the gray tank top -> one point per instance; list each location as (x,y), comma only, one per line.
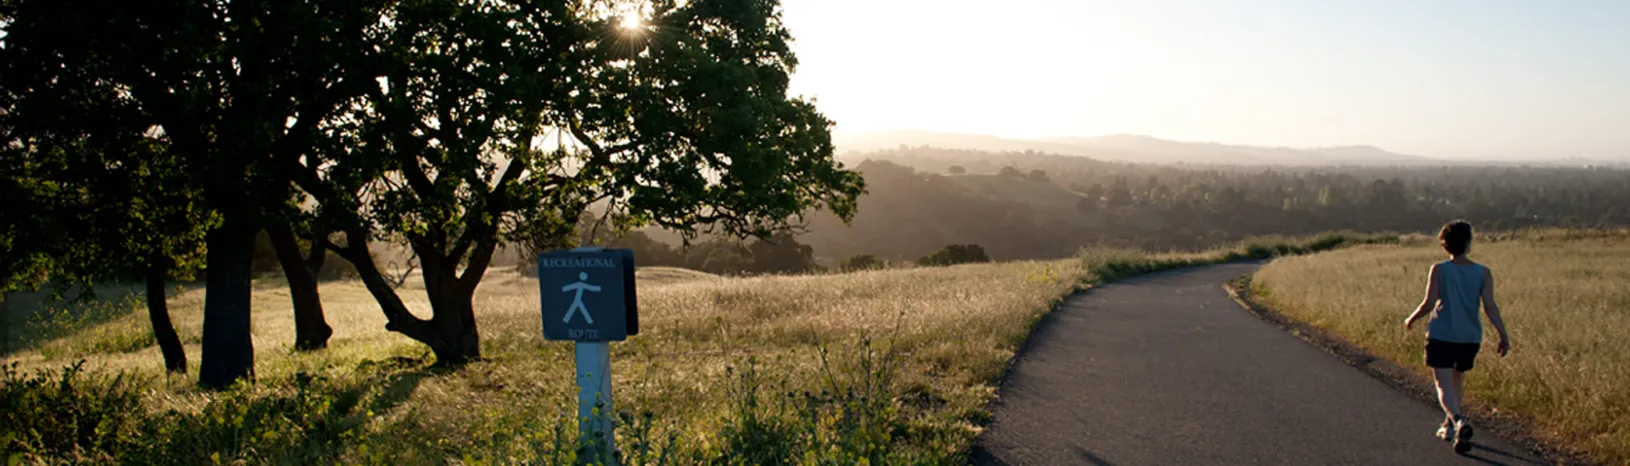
(1460,298)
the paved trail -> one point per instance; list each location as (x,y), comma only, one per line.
(1165,369)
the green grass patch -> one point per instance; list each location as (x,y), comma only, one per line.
(40,320)
(1105,264)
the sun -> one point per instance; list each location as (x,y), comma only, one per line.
(631,21)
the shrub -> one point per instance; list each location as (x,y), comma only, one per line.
(73,414)
(862,262)
(955,254)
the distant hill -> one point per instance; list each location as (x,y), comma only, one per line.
(1034,205)
(1138,148)
(1045,199)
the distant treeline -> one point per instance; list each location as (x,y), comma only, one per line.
(921,199)
(782,253)
(924,203)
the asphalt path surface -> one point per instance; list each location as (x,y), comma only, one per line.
(1166,369)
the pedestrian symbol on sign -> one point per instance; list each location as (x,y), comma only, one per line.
(599,283)
(577,301)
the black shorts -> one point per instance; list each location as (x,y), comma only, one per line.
(1450,355)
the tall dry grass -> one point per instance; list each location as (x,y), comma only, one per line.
(889,366)
(953,328)
(1565,298)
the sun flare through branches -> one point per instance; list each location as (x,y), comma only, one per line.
(631,22)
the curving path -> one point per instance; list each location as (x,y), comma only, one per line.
(1166,369)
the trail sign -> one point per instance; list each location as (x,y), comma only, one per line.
(588,297)
(588,294)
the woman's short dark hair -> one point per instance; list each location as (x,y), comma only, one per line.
(1456,237)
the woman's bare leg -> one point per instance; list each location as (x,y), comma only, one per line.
(1460,389)
(1448,381)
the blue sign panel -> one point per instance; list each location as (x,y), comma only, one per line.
(588,294)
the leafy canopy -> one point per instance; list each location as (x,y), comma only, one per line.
(497,117)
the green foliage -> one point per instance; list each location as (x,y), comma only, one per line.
(149,130)
(858,417)
(299,424)
(781,254)
(85,416)
(111,339)
(750,434)
(1106,264)
(96,197)
(684,125)
(955,254)
(718,256)
(645,110)
(71,415)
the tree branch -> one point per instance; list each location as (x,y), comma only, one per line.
(416,177)
(411,264)
(478,263)
(335,248)
(496,204)
(397,317)
(306,178)
(297,139)
(600,156)
(595,232)
(317,253)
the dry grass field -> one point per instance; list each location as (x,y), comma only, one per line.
(1565,297)
(952,328)
(893,366)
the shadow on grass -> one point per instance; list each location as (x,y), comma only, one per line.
(326,437)
(307,420)
(35,319)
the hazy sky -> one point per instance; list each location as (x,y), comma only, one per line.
(1447,78)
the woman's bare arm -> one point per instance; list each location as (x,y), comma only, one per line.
(1493,311)
(1429,301)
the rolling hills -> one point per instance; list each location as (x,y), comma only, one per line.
(1140,149)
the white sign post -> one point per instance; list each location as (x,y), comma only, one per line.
(588,297)
(595,413)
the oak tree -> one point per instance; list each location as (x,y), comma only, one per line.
(229,86)
(499,121)
(91,194)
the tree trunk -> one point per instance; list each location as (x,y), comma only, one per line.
(158,311)
(452,314)
(228,351)
(311,330)
(454,318)
(450,332)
